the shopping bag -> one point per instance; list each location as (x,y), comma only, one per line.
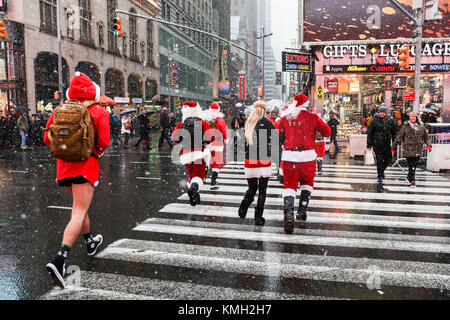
(369,158)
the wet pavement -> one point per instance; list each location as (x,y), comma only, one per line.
(361,241)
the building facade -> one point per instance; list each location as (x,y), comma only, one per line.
(124,68)
(186,57)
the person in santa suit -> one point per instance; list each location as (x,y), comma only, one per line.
(194,134)
(215,120)
(80,178)
(280,176)
(319,147)
(299,126)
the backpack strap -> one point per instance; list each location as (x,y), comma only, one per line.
(89,103)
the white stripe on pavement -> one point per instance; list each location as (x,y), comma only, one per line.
(334,204)
(59,208)
(278,185)
(418,190)
(317,217)
(344,194)
(265,263)
(296,238)
(147,178)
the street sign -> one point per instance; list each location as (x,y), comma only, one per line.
(296,62)
(409,95)
(278,77)
(401,82)
(319,93)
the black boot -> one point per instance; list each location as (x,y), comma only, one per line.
(319,166)
(303,205)
(289,214)
(259,220)
(214,178)
(194,195)
(245,204)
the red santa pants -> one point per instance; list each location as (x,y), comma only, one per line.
(320,149)
(196,173)
(298,172)
(216,160)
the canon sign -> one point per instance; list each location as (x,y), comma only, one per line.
(361,51)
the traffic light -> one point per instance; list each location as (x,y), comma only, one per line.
(117,27)
(403,58)
(3,34)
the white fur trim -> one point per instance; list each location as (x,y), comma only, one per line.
(197,180)
(280,171)
(216,148)
(97,92)
(299,156)
(293,111)
(263,172)
(189,112)
(308,188)
(226,141)
(212,114)
(191,157)
(289,193)
(215,170)
(67,94)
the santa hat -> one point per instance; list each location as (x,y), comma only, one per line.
(83,88)
(191,109)
(213,113)
(299,104)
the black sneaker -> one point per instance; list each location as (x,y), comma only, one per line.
(194,195)
(92,245)
(57,269)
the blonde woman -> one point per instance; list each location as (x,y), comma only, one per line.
(258,165)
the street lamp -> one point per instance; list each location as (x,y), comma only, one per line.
(171,52)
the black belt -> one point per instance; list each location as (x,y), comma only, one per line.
(93,155)
(298,149)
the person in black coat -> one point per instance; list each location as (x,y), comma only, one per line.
(333,123)
(144,130)
(164,123)
(380,135)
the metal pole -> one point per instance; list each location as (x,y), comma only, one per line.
(60,76)
(170,84)
(262,63)
(419,28)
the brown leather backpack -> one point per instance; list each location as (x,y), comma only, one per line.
(71,134)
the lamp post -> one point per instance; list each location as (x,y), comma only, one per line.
(171,52)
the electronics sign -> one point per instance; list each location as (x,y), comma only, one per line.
(296,62)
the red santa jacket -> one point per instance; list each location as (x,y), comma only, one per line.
(189,155)
(300,132)
(221,129)
(89,169)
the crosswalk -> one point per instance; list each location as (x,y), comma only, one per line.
(361,241)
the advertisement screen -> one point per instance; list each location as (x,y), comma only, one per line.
(339,20)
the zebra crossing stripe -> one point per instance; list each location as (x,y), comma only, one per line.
(270,264)
(418,190)
(318,217)
(334,204)
(278,185)
(345,194)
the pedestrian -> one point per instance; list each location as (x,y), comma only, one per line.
(299,156)
(114,129)
(22,124)
(258,164)
(333,123)
(126,130)
(3,132)
(80,178)
(173,123)
(398,126)
(164,123)
(11,131)
(144,131)
(319,147)
(412,137)
(215,120)
(194,134)
(380,135)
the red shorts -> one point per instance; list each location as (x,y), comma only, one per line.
(320,149)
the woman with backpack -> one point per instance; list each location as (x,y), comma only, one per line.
(258,164)
(79,177)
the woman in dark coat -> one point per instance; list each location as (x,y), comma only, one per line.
(412,136)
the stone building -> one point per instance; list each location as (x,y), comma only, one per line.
(124,67)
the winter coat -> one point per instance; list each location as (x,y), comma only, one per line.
(412,137)
(333,123)
(89,169)
(258,154)
(381,132)
(144,126)
(300,133)
(164,121)
(218,144)
(22,124)
(124,121)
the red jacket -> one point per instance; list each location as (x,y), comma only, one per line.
(89,169)
(300,133)
(275,123)
(218,145)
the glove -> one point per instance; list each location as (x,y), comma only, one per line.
(429,149)
(393,150)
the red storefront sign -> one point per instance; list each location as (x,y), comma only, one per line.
(409,95)
(242,93)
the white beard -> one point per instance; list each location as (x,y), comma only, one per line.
(293,111)
(211,115)
(189,112)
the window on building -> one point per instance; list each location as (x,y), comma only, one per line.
(150,42)
(135,86)
(112,39)
(133,36)
(163,9)
(48,15)
(85,20)
(101,36)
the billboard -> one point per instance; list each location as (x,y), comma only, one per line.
(296,62)
(343,20)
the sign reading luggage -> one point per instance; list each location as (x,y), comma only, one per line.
(296,62)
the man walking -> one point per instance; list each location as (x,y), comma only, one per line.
(164,123)
(380,135)
(333,123)
(23,126)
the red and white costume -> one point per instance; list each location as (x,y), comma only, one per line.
(220,133)
(194,159)
(320,142)
(299,126)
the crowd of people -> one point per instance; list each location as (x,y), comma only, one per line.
(21,130)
